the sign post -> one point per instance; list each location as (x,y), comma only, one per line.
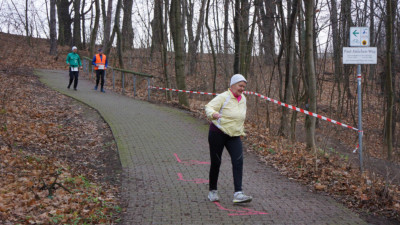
(360,130)
(359,53)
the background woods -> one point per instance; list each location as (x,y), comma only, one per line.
(289,50)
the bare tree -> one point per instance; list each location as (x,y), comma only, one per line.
(64,22)
(290,64)
(194,40)
(266,24)
(157,27)
(241,33)
(390,17)
(212,47)
(127,29)
(107,23)
(27,22)
(117,31)
(310,71)
(178,39)
(95,28)
(77,24)
(336,47)
(53,28)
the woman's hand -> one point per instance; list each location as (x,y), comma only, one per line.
(216,116)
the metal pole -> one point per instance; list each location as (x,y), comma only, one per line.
(134,85)
(105,77)
(148,89)
(113,78)
(360,131)
(123,83)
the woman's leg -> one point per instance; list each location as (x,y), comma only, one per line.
(235,149)
(216,141)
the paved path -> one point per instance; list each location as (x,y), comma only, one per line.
(164,154)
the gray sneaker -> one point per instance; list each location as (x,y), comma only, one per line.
(239,197)
(213,196)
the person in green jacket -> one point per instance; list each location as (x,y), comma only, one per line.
(74,63)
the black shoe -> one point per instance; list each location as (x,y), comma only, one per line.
(75,89)
(68,86)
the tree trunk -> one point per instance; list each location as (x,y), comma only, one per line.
(290,63)
(27,22)
(77,24)
(127,29)
(64,23)
(347,23)
(267,24)
(53,28)
(178,39)
(372,68)
(83,24)
(157,27)
(226,45)
(118,33)
(163,42)
(95,28)
(212,47)
(390,16)
(310,71)
(241,33)
(107,26)
(194,40)
(236,37)
(336,47)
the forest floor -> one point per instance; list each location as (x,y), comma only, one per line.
(331,169)
(58,159)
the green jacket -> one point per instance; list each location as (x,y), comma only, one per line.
(74,60)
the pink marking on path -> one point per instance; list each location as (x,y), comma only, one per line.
(177,158)
(191,162)
(239,212)
(197,181)
(222,208)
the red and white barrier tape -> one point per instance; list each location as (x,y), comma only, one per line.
(300,110)
(268,99)
(176,90)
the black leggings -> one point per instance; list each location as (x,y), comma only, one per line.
(100,76)
(217,141)
(73,76)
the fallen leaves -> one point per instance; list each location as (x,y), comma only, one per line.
(328,172)
(49,167)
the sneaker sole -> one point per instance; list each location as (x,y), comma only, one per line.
(244,201)
(217,200)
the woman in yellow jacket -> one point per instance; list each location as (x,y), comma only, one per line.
(227,112)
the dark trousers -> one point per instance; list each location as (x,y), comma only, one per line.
(73,76)
(100,76)
(217,141)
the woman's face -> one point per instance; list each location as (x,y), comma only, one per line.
(238,88)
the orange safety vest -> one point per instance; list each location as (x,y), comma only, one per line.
(101,61)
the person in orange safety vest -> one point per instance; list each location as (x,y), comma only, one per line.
(100,63)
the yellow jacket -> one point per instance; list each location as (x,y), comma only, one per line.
(233,113)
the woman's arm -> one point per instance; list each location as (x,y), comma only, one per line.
(213,107)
